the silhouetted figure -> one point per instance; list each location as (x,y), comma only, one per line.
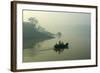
(60,47)
(66,45)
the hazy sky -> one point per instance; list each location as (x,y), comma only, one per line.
(60,21)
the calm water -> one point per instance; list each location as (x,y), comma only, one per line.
(79,48)
(74,28)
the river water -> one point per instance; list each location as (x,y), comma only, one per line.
(79,48)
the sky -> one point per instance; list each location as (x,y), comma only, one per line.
(60,21)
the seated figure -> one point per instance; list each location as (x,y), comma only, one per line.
(61,45)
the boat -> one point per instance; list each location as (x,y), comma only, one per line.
(61,45)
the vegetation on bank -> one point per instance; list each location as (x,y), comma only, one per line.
(34,33)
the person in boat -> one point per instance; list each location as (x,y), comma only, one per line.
(61,45)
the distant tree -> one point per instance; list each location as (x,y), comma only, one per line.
(59,34)
(33,30)
(33,20)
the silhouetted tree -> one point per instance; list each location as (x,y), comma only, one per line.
(33,20)
(59,34)
(32,30)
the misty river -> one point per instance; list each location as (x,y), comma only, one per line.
(44,51)
(39,28)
